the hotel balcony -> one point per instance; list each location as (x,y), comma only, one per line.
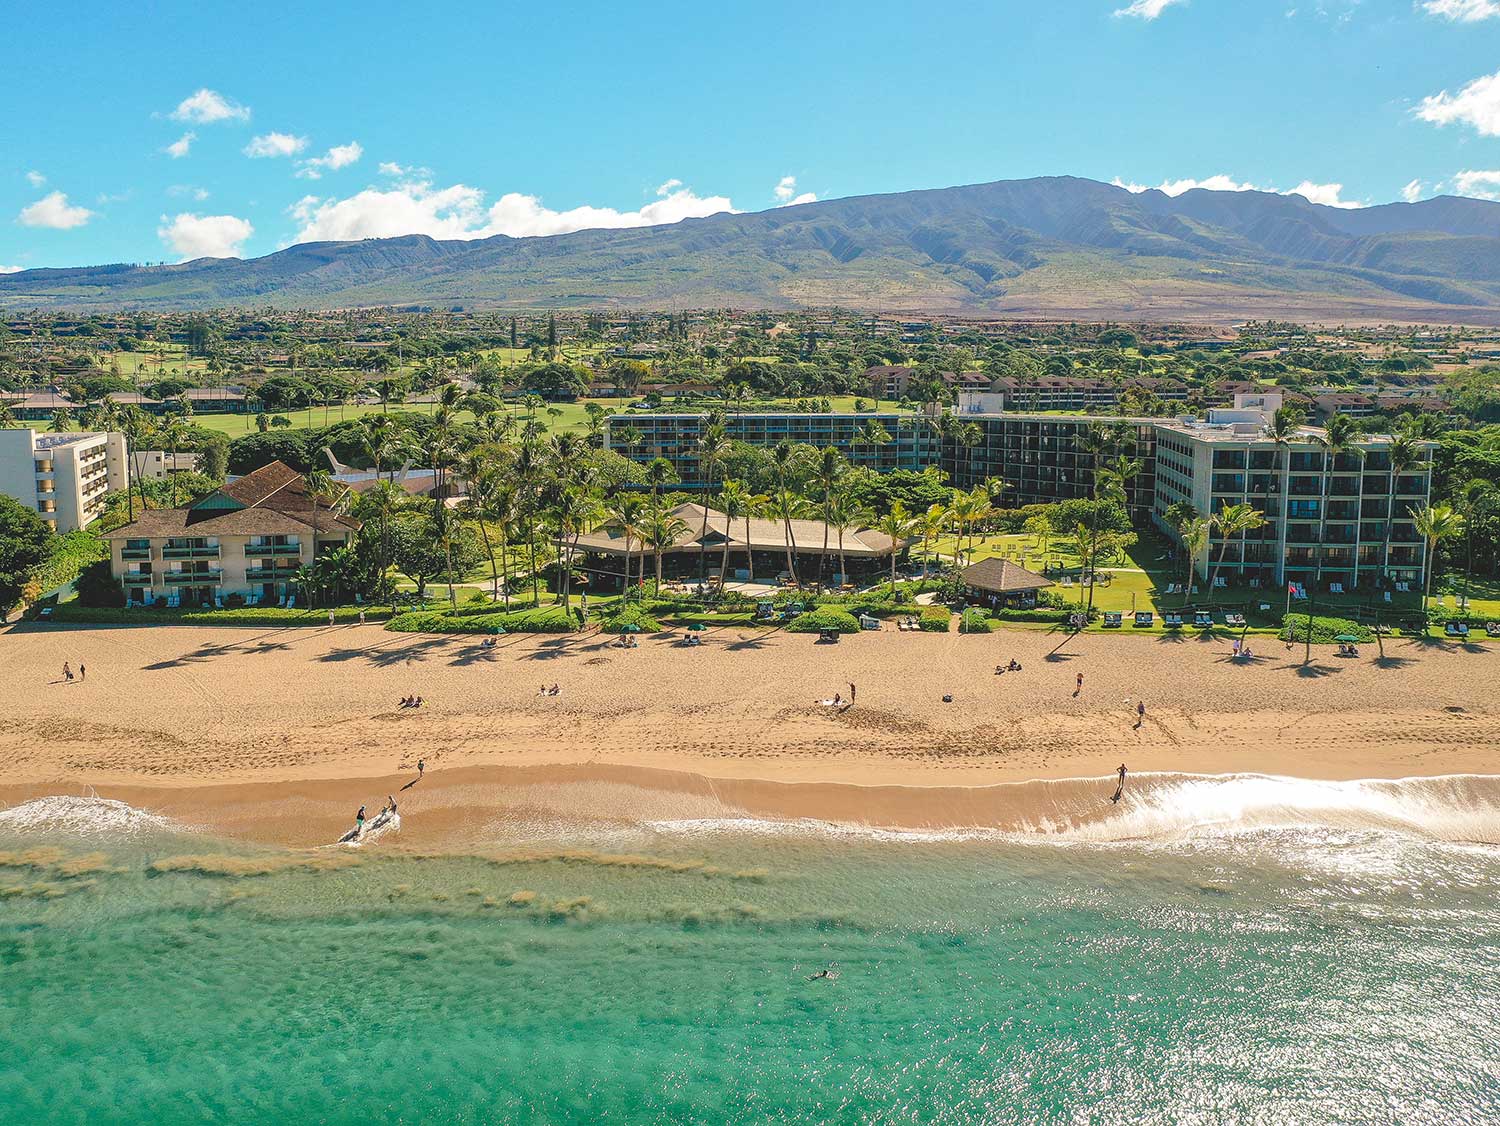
(135,553)
(204,552)
(135,578)
(269,549)
(190,578)
(270,574)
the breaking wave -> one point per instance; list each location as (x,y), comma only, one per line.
(82,816)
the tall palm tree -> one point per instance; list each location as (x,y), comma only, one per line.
(781,462)
(932,524)
(1336,440)
(173,435)
(629,513)
(661,530)
(735,501)
(713,447)
(1111,484)
(1435,523)
(844,513)
(1402,454)
(321,489)
(1231,520)
(830,469)
(1475,501)
(577,511)
(898,524)
(1282,430)
(1194,531)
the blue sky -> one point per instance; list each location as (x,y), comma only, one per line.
(345,120)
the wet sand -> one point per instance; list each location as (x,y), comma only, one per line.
(290,728)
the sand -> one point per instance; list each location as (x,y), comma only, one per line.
(237,719)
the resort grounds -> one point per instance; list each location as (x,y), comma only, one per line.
(280,733)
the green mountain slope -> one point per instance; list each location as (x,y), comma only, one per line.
(1054,246)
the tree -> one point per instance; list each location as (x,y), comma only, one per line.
(1232,520)
(713,447)
(1435,523)
(736,502)
(781,461)
(25,541)
(1336,440)
(321,489)
(830,469)
(660,531)
(628,513)
(898,524)
(1194,531)
(932,523)
(1402,454)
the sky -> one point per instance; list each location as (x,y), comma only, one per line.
(162,132)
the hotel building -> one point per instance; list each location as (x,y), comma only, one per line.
(64,477)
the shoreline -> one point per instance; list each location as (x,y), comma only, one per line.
(304,718)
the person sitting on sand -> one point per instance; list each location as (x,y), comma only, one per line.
(417,703)
(556,691)
(837,700)
(1014,666)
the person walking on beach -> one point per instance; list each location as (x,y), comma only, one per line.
(361,615)
(83,673)
(359,822)
(1120,789)
(421,766)
(1079,687)
(1140,714)
(330,616)
(851,692)
(67,672)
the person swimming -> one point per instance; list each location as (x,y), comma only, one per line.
(823,975)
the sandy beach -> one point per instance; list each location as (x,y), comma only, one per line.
(232,722)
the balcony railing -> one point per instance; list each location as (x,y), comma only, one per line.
(135,578)
(135,553)
(190,578)
(202,552)
(270,574)
(268,549)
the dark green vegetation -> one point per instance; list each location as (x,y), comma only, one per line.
(1059,246)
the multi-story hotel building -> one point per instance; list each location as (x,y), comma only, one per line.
(248,539)
(64,477)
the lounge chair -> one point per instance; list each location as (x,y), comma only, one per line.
(1387,596)
(1203,619)
(1236,620)
(1113,620)
(1144,619)
(1221,582)
(1492,629)
(1172,621)
(1457,629)
(867,622)
(218,602)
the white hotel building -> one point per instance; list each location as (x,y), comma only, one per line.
(64,477)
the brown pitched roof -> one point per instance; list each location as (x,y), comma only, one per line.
(275,502)
(764,535)
(1001,576)
(256,488)
(161,523)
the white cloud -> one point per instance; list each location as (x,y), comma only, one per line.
(275,145)
(458,212)
(1330,195)
(1478,185)
(56,212)
(787,195)
(1413,191)
(668,186)
(391,168)
(179,148)
(340,156)
(1477,104)
(189,190)
(35,178)
(11,269)
(1147,9)
(207,106)
(1463,11)
(205,236)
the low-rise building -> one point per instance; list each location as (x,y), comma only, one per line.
(64,477)
(248,539)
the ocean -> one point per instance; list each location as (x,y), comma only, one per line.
(1216,950)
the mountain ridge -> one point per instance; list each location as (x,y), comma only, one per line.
(1051,246)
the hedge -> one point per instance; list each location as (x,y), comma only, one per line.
(546,619)
(824,617)
(1058,617)
(78,613)
(935,619)
(637,616)
(975,620)
(70,553)
(1324,630)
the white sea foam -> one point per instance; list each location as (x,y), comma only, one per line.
(82,816)
(1456,808)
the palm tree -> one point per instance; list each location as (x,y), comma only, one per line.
(830,469)
(873,434)
(1336,440)
(1476,500)
(173,434)
(843,514)
(1435,523)
(1282,431)
(933,522)
(577,511)
(781,462)
(1232,520)
(713,447)
(658,473)
(736,502)
(1194,531)
(320,488)
(1402,454)
(661,530)
(629,513)
(7,416)
(898,524)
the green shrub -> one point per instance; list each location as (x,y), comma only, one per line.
(97,586)
(638,616)
(1041,614)
(1324,630)
(824,617)
(935,619)
(974,620)
(69,554)
(544,619)
(76,612)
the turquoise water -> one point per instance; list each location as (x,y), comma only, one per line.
(1293,973)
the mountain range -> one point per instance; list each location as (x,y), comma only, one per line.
(1053,247)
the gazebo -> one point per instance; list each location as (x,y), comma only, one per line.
(999,582)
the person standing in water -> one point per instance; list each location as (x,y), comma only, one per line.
(1120,789)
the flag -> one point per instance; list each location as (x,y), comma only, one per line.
(1291,588)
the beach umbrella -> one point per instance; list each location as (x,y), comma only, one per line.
(1347,637)
(696,627)
(632,629)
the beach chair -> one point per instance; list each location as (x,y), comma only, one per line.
(1335,588)
(1234,619)
(218,602)
(1203,619)
(1387,596)
(1220,582)
(867,622)
(1457,629)
(1172,620)
(1113,620)
(1492,629)
(1254,584)
(1144,619)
